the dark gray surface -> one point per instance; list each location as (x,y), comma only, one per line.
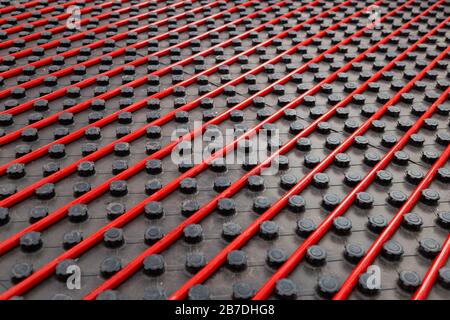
(257,272)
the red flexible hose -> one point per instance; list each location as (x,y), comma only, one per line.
(61,16)
(26,5)
(47,221)
(28,14)
(80,35)
(432,273)
(254,226)
(57,29)
(134,135)
(395,222)
(140,104)
(206,209)
(60,28)
(299,253)
(49,59)
(175,233)
(88,242)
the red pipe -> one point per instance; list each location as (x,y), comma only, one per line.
(80,35)
(299,253)
(61,16)
(47,221)
(83,246)
(373,251)
(47,60)
(140,104)
(254,226)
(58,29)
(14,135)
(432,273)
(28,14)
(201,213)
(375,248)
(26,5)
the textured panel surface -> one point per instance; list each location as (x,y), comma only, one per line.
(90,110)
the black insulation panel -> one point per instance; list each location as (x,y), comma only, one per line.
(50,111)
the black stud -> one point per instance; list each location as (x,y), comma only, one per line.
(31,241)
(296,203)
(412,222)
(110,266)
(371,158)
(276,257)
(364,200)
(288,181)
(328,286)
(342,160)
(444,277)
(221,183)
(114,210)
(62,269)
(342,225)
(255,183)
(414,176)
(45,192)
(4,216)
(230,231)
(261,204)
(118,188)
(392,250)
(15,171)
(86,168)
(430,197)
(353,252)
(316,256)
(429,248)
(193,233)
(152,186)
(236,260)
(384,177)
(72,238)
(269,230)
(21,271)
(286,289)
(351,179)
(78,213)
(363,285)
(195,261)
(243,291)
(376,223)
(226,206)
(303,144)
(409,280)
(113,238)
(153,234)
(189,207)
(108,295)
(188,185)
(153,210)
(330,201)
(397,198)
(429,156)
(199,292)
(305,227)
(443,175)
